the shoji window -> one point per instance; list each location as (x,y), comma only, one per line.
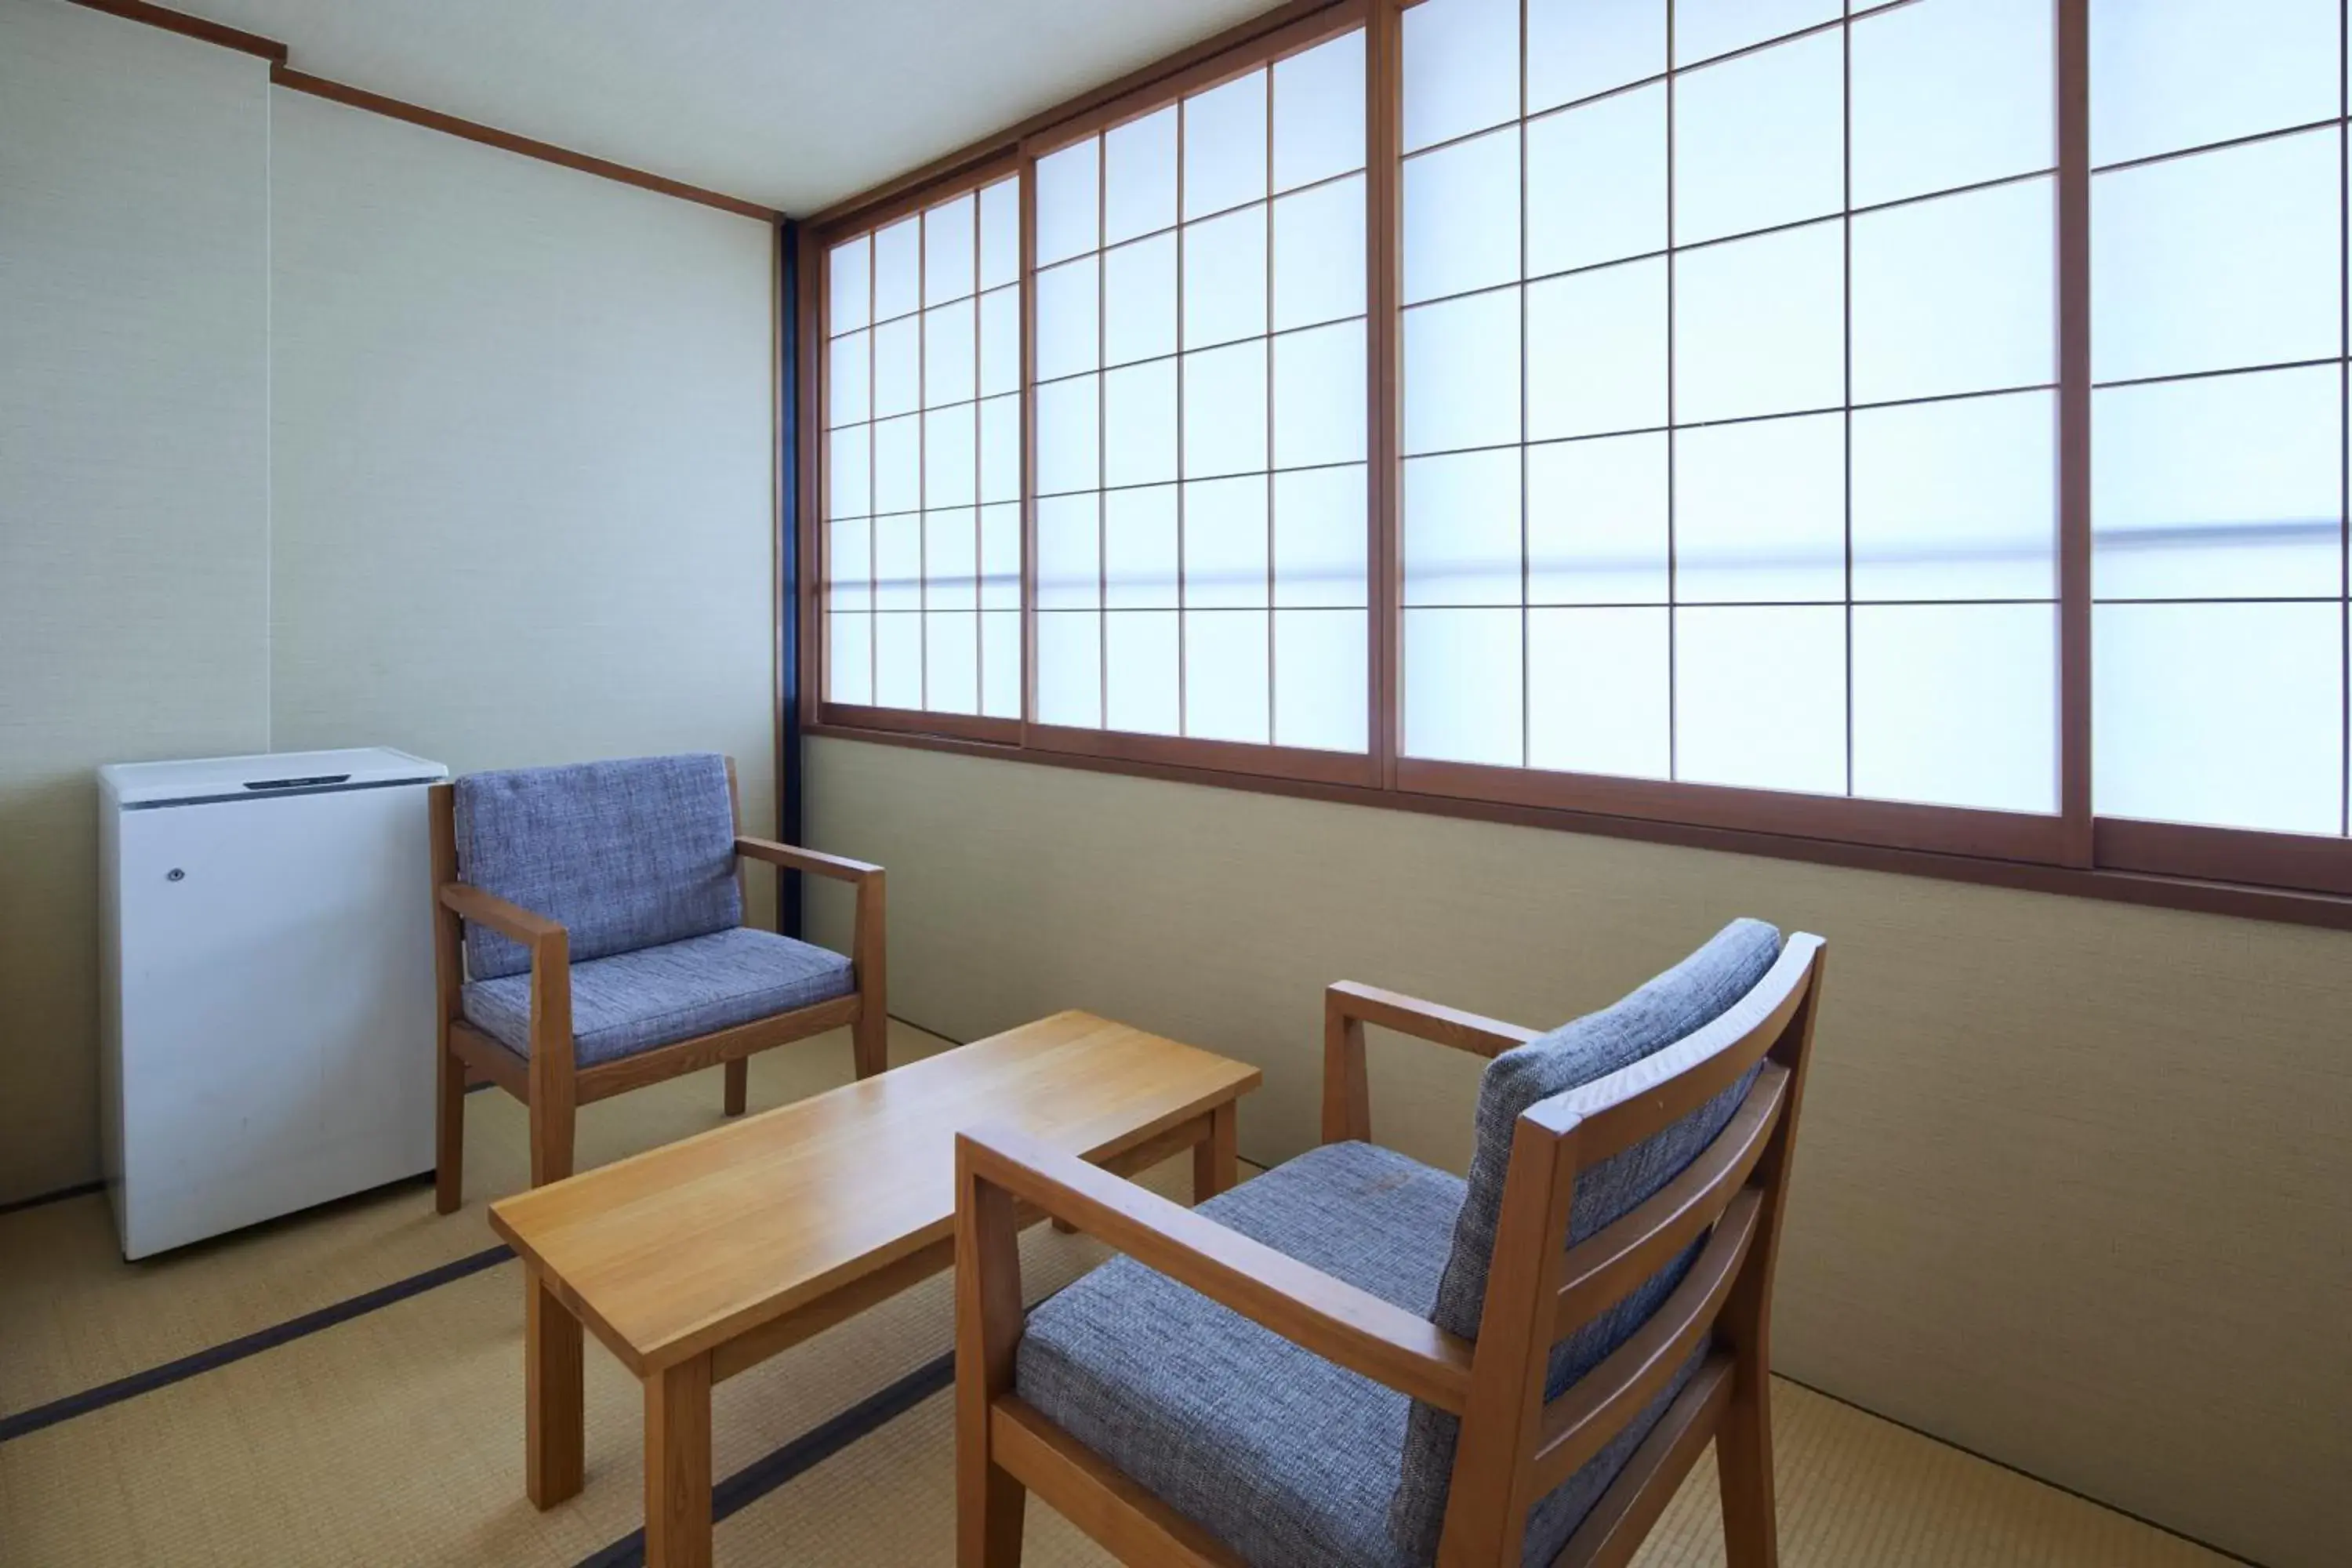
(2218,359)
(1729,366)
(922,468)
(1199,411)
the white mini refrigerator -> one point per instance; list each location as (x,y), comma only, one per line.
(265,986)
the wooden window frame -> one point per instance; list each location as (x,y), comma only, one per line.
(2300,879)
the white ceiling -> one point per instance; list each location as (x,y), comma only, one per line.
(792,103)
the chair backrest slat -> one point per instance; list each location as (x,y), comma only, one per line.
(1599,1271)
(1579,1423)
(1613,1113)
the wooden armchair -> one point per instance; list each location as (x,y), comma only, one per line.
(596,945)
(1549,1346)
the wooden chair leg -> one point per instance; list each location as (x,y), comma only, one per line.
(1743,1462)
(989,1501)
(739,1085)
(870,1041)
(449,1135)
(552,1120)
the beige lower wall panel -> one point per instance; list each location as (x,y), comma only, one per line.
(2074,1188)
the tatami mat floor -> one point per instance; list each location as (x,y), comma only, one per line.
(345,1387)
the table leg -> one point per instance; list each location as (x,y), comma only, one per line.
(677,1466)
(1216,1160)
(554,1438)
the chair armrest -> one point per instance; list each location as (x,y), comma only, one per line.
(510,921)
(1349,1006)
(1327,1316)
(793,857)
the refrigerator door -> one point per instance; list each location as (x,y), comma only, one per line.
(276,996)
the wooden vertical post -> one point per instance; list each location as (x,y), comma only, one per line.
(449,978)
(554,1431)
(989,1502)
(677,1466)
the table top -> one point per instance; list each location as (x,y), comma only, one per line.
(672,1252)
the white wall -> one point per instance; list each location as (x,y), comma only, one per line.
(318,428)
(134,481)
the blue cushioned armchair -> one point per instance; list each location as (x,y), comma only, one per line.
(1354,1360)
(590,939)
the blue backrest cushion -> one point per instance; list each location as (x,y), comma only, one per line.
(1684,999)
(625,855)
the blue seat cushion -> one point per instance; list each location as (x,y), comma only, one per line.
(632,1002)
(624,854)
(1291,1461)
(1676,1004)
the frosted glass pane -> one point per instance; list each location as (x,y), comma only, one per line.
(1140,300)
(1957,500)
(1759,139)
(897,366)
(1759,512)
(849,286)
(1319,399)
(1597,182)
(1227,683)
(2226,714)
(1462,371)
(1320,524)
(1759,697)
(1069,559)
(2216,262)
(951,353)
(1598,693)
(1597,521)
(1224,278)
(1139,423)
(1461,216)
(898,661)
(1704,28)
(1000,449)
(897,268)
(1224,410)
(898,562)
(999,234)
(1000,664)
(2168,76)
(898,464)
(1949,93)
(1958,294)
(951,559)
(1597,350)
(1463,685)
(1000,557)
(1956,705)
(1068,435)
(950,254)
(1139,562)
(1000,342)
(849,473)
(1225,543)
(1318,254)
(2230,487)
(1069,201)
(1759,325)
(1461,68)
(849,563)
(1139,672)
(1462,529)
(849,379)
(1140,176)
(1319,679)
(1069,318)
(950,460)
(1318,112)
(1579,48)
(951,662)
(849,660)
(1225,146)
(1069,668)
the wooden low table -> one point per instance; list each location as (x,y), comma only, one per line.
(696,1261)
